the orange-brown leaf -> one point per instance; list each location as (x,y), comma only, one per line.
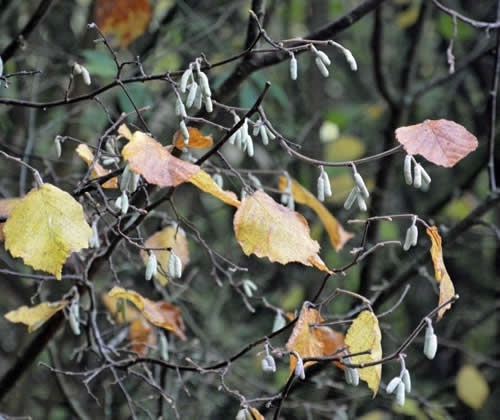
(267,229)
(154,162)
(169,237)
(142,336)
(446,288)
(338,236)
(87,156)
(311,340)
(196,139)
(6,206)
(442,142)
(256,414)
(123,19)
(126,314)
(161,313)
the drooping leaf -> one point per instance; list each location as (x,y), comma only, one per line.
(446,288)
(154,162)
(267,229)
(142,336)
(6,206)
(158,166)
(364,334)
(35,316)
(472,387)
(169,237)
(120,309)
(312,340)
(123,19)
(161,313)
(87,156)
(338,236)
(204,182)
(196,139)
(442,142)
(256,414)
(57,222)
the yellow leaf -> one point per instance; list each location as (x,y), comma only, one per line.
(6,206)
(45,228)
(169,237)
(162,314)
(446,288)
(256,414)
(35,316)
(364,334)
(196,139)
(268,229)
(472,388)
(338,236)
(312,340)
(87,156)
(204,182)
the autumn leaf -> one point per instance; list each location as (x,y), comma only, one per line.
(119,308)
(162,314)
(472,387)
(142,336)
(123,19)
(446,288)
(309,339)
(35,316)
(256,414)
(338,236)
(268,229)
(45,227)
(196,139)
(204,182)
(6,206)
(364,335)
(169,237)
(441,142)
(154,162)
(87,156)
(158,166)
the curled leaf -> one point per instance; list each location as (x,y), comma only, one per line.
(309,339)
(35,316)
(87,156)
(364,335)
(196,139)
(267,229)
(162,314)
(446,288)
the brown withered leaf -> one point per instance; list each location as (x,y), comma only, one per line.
(142,336)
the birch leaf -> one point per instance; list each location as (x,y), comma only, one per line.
(35,316)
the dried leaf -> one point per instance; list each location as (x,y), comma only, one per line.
(35,316)
(87,156)
(154,162)
(169,237)
(338,236)
(472,387)
(446,288)
(268,229)
(256,414)
(126,314)
(56,220)
(6,206)
(142,336)
(204,182)
(196,139)
(162,314)
(311,340)
(441,142)
(364,334)
(123,19)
